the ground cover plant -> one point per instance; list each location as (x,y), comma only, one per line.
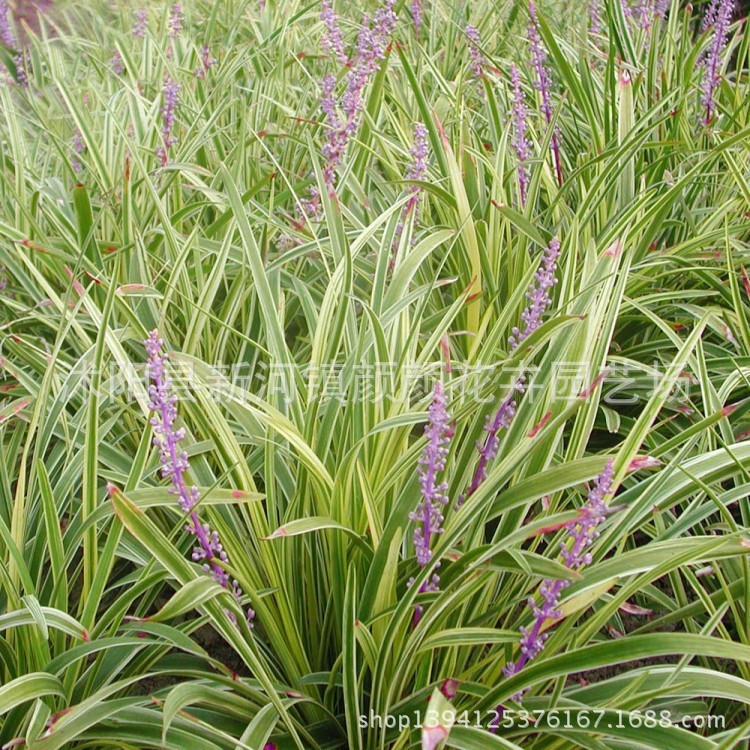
(374,375)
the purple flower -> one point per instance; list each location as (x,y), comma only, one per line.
(174,460)
(538,295)
(171,94)
(580,534)
(176,19)
(660,8)
(117,64)
(643,11)
(521,143)
(594,21)
(718,16)
(543,85)
(416,14)
(328,101)
(539,300)
(78,148)
(207,62)
(7,36)
(333,41)
(477,58)
(429,513)
(488,449)
(371,48)
(419,153)
(417,171)
(22,76)
(141,23)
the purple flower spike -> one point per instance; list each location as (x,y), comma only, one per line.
(207,62)
(543,85)
(372,45)
(171,94)
(429,513)
(660,8)
(477,58)
(417,171)
(521,143)
(643,11)
(208,550)
(7,36)
(333,40)
(22,75)
(141,23)
(581,533)
(594,21)
(416,14)
(539,300)
(117,64)
(538,295)
(488,449)
(176,19)
(718,16)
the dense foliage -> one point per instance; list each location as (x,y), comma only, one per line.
(374,377)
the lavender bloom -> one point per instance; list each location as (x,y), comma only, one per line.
(117,64)
(429,513)
(709,19)
(208,550)
(431,463)
(141,23)
(22,76)
(543,85)
(538,295)
(176,18)
(580,534)
(333,41)
(371,48)
(719,16)
(7,37)
(78,148)
(520,142)
(310,207)
(328,101)
(594,21)
(334,147)
(171,93)
(477,58)
(488,449)
(660,8)
(650,10)
(207,62)
(539,300)
(417,171)
(643,10)
(416,14)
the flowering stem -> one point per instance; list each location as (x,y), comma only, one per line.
(581,532)
(429,514)
(209,549)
